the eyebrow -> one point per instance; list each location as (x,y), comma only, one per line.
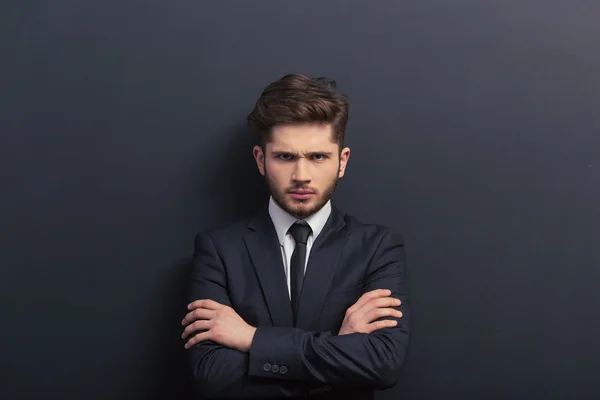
(308,153)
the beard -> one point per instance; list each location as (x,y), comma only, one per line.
(301,209)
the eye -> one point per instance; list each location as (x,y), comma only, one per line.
(284,156)
(319,156)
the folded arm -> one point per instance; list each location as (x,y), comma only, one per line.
(358,359)
(219,371)
(373,360)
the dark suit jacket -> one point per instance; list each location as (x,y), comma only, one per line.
(240,265)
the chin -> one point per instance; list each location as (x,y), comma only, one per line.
(303,209)
(300,209)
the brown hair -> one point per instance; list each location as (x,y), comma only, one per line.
(296,99)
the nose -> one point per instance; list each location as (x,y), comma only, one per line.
(301,171)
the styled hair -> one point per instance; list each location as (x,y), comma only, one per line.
(297,99)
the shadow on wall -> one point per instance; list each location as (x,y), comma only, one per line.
(172,379)
(231,186)
(228,187)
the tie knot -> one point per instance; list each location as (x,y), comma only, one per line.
(300,232)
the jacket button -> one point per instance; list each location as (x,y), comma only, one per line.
(267,367)
(275,368)
(283,370)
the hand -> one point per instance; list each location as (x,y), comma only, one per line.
(218,323)
(362,316)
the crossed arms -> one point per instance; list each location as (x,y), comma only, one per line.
(228,355)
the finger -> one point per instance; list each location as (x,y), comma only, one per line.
(198,338)
(205,303)
(198,313)
(365,298)
(201,325)
(377,325)
(377,302)
(382,302)
(377,313)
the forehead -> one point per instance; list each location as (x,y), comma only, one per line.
(302,137)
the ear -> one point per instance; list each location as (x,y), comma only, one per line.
(259,156)
(344,156)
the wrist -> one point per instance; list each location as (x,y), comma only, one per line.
(250,338)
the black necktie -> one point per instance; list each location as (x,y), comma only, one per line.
(300,233)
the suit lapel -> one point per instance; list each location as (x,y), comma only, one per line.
(263,246)
(322,263)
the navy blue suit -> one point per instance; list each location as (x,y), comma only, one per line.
(240,265)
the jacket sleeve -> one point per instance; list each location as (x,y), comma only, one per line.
(218,371)
(367,360)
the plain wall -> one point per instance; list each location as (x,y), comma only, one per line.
(474,130)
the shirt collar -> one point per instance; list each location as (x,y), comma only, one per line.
(283,221)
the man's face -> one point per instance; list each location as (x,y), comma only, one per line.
(302,166)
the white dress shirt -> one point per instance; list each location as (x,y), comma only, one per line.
(283,221)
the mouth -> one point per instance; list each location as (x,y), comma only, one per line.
(301,194)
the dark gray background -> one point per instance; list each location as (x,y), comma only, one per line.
(475,132)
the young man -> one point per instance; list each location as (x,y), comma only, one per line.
(300,299)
